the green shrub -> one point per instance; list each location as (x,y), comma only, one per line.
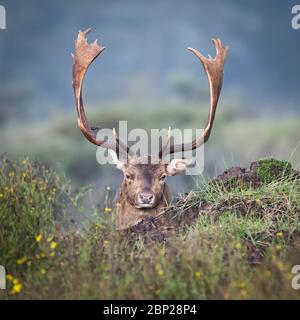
(28,198)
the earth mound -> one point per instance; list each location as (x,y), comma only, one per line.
(184,212)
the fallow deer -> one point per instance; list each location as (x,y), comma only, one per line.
(144,191)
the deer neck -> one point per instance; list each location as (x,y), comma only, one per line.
(128,215)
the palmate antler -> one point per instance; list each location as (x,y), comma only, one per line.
(214,68)
(85,53)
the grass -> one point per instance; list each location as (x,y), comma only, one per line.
(243,244)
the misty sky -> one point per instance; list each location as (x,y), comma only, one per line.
(146,48)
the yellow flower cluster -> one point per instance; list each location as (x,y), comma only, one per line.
(53,244)
(16,285)
(6,190)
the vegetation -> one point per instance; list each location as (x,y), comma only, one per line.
(270,169)
(242,244)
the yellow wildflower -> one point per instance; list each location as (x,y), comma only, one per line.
(52,254)
(198,275)
(53,245)
(9,277)
(279,234)
(105,243)
(38,238)
(107,209)
(16,288)
(1,195)
(258,201)
(238,246)
(21,260)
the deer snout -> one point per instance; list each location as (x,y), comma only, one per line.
(146,198)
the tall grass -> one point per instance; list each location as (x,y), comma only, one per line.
(242,245)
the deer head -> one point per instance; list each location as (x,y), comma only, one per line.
(144,191)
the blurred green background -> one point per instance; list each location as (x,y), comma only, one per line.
(147,77)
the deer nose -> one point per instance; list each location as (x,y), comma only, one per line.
(146,197)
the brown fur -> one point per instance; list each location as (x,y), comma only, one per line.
(140,177)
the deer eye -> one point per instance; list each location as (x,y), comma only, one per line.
(162,177)
(128,176)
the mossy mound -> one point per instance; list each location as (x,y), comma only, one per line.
(260,172)
(270,169)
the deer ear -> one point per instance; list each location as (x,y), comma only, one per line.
(120,165)
(176,166)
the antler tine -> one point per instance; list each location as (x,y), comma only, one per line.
(214,68)
(85,54)
(164,147)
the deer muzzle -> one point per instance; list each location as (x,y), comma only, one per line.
(145,200)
